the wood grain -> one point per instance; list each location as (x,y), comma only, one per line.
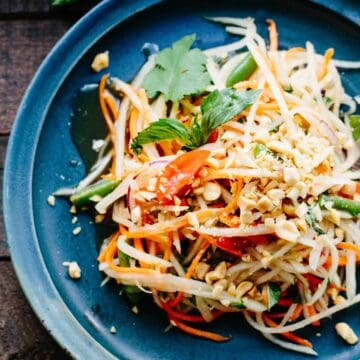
(10,9)
(23,45)
(21,334)
(28,30)
(4,250)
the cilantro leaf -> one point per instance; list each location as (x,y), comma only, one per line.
(179,71)
(355,124)
(274,292)
(217,109)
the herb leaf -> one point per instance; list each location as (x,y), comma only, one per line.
(163,129)
(221,106)
(218,108)
(179,71)
(355,124)
(274,292)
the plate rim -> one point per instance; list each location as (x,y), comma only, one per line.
(69,334)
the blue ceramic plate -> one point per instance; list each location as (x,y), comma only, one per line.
(80,313)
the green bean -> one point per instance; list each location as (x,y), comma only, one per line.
(101,188)
(355,124)
(242,71)
(350,206)
(123,259)
(310,219)
(133,293)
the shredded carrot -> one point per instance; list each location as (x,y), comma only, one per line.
(167,251)
(232,205)
(196,261)
(110,245)
(273,35)
(103,106)
(312,311)
(112,105)
(185,317)
(197,332)
(333,286)
(288,335)
(348,246)
(189,273)
(325,65)
(297,313)
(342,260)
(134,114)
(358,187)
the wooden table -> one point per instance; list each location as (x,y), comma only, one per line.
(28,30)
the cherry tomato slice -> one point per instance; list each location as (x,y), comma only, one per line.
(179,173)
(236,245)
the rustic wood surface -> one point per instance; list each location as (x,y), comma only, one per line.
(28,30)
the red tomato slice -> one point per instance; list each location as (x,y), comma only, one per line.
(179,173)
(236,245)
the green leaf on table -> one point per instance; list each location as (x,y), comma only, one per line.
(179,71)
(274,292)
(355,124)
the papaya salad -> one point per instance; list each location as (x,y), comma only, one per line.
(228,175)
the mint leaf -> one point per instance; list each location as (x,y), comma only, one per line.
(274,292)
(163,129)
(179,71)
(355,124)
(220,107)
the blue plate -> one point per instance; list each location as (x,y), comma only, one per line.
(79,314)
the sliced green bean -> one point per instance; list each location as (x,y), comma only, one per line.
(133,293)
(310,219)
(101,188)
(355,124)
(339,203)
(242,71)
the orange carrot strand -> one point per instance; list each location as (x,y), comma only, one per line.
(288,335)
(200,333)
(273,35)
